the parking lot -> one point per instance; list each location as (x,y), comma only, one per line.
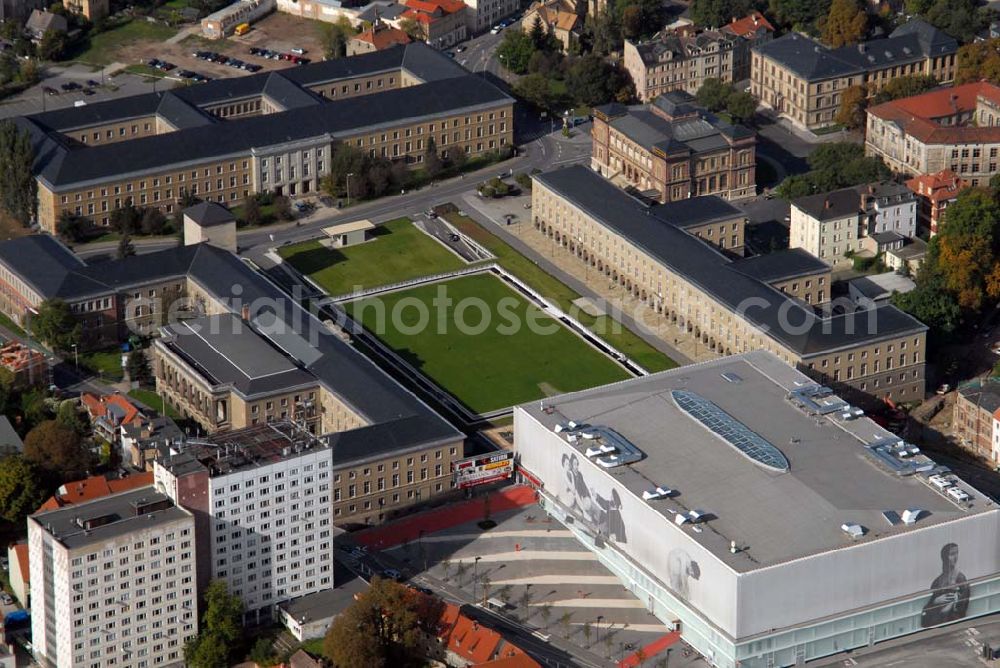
(278,32)
(35,99)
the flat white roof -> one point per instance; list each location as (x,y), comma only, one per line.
(347,228)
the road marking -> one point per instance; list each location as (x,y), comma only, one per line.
(533,555)
(556,579)
(594,603)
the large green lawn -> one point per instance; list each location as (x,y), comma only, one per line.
(106,47)
(604,326)
(154,401)
(399,252)
(485,367)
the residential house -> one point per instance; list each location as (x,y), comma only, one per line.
(380,36)
(935,193)
(753,29)
(834,225)
(803,80)
(680,59)
(974,418)
(483,14)
(145,440)
(41,22)
(867,291)
(672,149)
(442,22)
(93,10)
(558,18)
(108,413)
(94,487)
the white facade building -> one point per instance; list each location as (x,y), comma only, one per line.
(890,207)
(268,522)
(482,14)
(113,582)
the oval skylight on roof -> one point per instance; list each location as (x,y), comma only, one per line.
(734,432)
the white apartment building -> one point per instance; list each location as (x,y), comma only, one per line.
(266,510)
(889,207)
(113,582)
(828,225)
(482,14)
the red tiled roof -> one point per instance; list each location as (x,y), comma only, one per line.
(430,6)
(479,645)
(98,406)
(943,185)
(21,554)
(95,487)
(749,24)
(916,115)
(384,37)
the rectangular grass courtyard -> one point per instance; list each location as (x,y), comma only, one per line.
(479,346)
(399,252)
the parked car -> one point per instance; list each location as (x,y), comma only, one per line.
(6,598)
(299,51)
(392,574)
(944,388)
(92,83)
(49,90)
(87,91)
(496,30)
(459,49)
(254,68)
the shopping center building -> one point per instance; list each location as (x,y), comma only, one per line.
(763,516)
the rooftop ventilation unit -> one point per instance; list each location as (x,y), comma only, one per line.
(731,377)
(892,517)
(853,530)
(911,515)
(657,493)
(600,450)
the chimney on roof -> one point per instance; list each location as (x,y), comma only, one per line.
(862,48)
(826,204)
(245,313)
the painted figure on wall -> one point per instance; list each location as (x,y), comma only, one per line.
(949,600)
(603,513)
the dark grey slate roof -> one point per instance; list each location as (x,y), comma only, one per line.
(81,164)
(781,265)
(41,261)
(699,133)
(812,60)
(182,114)
(806,57)
(985,395)
(696,211)
(887,237)
(209,214)
(826,206)
(786,320)
(287,94)
(226,351)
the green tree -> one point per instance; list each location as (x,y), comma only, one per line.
(221,633)
(846,23)
(741,106)
(54,324)
(798,14)
(412,29)
(57,449)
(631,22)
(126,219)
(250,212)
(534,89)
(53,44)
(650,15)
(70,416)
(515,51)
(851,113)
(385,626)
(72,227)
(592,80)
(20,492)
(283,208)
(900,87)
(717,13)
(714,94)
(432,159)
(125,247)
(262,653)
(137,367)
(962,19)
(18,188)
(153,221)
(333,41)
(537,33)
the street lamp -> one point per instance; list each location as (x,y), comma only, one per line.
(76,358)
(598,626)
(349,175)
(475,577)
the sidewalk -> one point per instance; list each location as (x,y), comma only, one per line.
(411,527)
